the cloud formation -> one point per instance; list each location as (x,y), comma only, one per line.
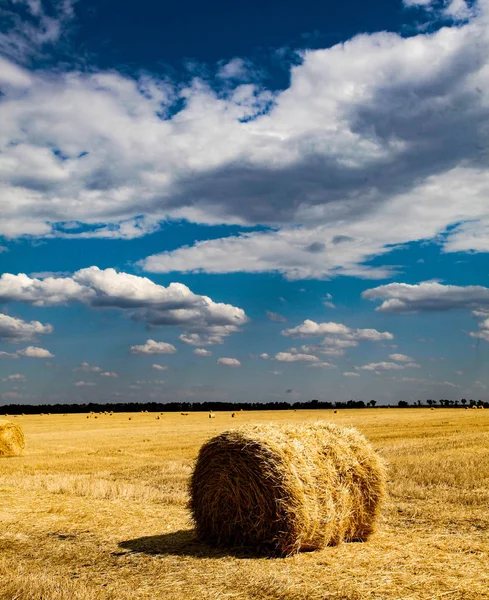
(15,378)
(403,298)
(349,161)
(202,352)
(293,355)
(149,302)
(159,367)
(152,347)
(17,330)
(28,352)
(228,362)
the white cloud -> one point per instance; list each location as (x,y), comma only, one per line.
(28,352)
(84,384)
(381,366)
(312,329)
(371,145)
(159,367)
(264,355)
(338,337)
(15,378)
(88,368)
(202,352)
(400,357)
(322,365)
(35,352)
(196,339)
(152,303)
(293,356)
(25,39)
(17,330)
(273,316)
(109,374)
(152,347)
(328,301)
(351,374)
(400,298)
(427,296)
(229,362)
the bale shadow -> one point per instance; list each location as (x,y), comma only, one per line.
(181,543)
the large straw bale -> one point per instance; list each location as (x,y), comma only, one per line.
(11,438)
(283,489)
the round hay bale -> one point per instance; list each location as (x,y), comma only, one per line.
(11,438)
(283,489)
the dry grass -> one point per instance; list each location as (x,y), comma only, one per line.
(280,489)
(11,438)
(96,509)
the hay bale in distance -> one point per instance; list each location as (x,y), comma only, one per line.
(11,438)
(283,489)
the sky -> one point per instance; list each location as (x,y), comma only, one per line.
(259,201)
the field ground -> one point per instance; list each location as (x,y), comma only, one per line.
(96,509)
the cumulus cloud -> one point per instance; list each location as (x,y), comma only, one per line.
(28,352)
(371,145)
(149,302)
(310,328)
(403,298)
(228,362)
(84,384)
(428,296)
(152,347)
(401,358)
(159,367)
(351,374)
(328,301)
(337,338)
(381,366)
(202,352)
(109,374)
(17,330)
(15,378)
(88,368)
(273,316)
(294,356)
(322,365)
(34,352)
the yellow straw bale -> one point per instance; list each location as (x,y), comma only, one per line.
(281,489)
(11,439)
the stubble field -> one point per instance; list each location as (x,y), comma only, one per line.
(96,509)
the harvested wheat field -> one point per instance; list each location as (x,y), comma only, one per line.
(97,509)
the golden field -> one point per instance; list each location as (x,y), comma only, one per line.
(96,509)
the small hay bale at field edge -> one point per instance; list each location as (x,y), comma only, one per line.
(281,489)
(11,438)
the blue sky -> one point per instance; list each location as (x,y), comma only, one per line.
(268,201)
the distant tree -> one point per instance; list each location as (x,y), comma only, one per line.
(372,403)
(463,401)
(402,404)
(429,402)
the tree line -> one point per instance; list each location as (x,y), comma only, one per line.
(18,409)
